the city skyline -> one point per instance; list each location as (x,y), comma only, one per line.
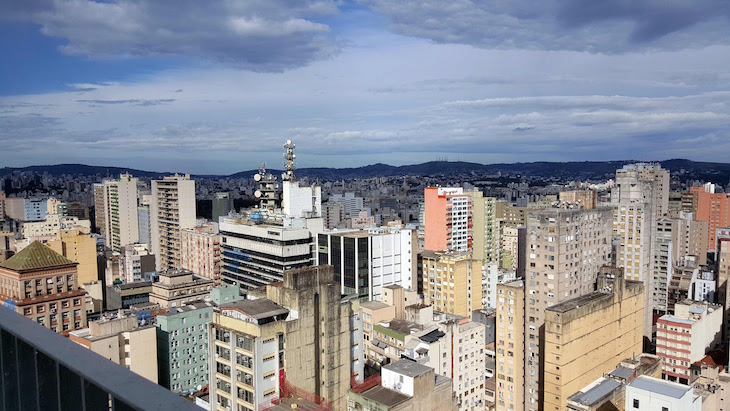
(361,83)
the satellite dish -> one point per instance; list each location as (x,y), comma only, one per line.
(199,387)
(288,141)
(283,176)
(257,177)
(257,194)
(293,156)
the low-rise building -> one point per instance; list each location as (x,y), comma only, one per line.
(648,393)
(176,287)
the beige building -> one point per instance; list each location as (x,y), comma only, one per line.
(600,329)
(124,342)
(565,250)
(42,285)
(200,251)
(510,215)
(121,226)
(171,210)
(510,246)
(99,216)
(177,287)
(248,345)
(510,346)
(318,337)
(588,199)
(486,244)
(80,247)
(452,282)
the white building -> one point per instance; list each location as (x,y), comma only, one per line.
(120,212)
(653,394)
(351,205)
(172,209)
(137,262)
(491,276)
(301,202)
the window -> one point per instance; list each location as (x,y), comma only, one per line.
(665,409)
(636,404)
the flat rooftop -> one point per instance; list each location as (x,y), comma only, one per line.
(408,368)
(136,284)
(658,386)
(175,272)
(385,396)
(374,305)
(595,393)
(575,303)
(257,309)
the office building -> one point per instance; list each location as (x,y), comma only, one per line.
(222,205)
(452,282)
(366,261)
(648,393)
(711,208)
(77,210)
(172,209)
(177,287)
(447,219)
(351,204)
(509,344)
(182,346)
(42,285)
(120,212)
(686,336)
(124,341)
(566,248)
(79,247)
(200,251)
(640,197)
(125,295)
(600,329)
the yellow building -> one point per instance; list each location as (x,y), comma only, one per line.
(585,337)
(486,243)
(452,282)
(510,343)
(79,247)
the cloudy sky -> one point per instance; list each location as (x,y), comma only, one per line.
(217,86)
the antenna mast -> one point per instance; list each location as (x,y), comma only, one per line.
(289,158)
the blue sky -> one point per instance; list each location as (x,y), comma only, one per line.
(218,86)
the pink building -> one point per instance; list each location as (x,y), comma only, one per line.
(447,219)
(200,251)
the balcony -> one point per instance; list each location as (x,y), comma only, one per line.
(42,370)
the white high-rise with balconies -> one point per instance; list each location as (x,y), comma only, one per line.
(172,209)
(120,212)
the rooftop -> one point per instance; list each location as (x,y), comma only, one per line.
(408,368)
(191,306)
(575,303)
(385,396)
(257,309)
(622,372)
(658,386)
(374,305)
(174,272)
(136,284)
(36,256)
(596,392)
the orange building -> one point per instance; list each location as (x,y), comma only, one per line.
(712,208)
(447,219)
(43,286)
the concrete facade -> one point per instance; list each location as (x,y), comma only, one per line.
(486,228)
(452,282)
(172,209)
(121,224)
(510,343)
(177,287)
(200,251)
(80,247)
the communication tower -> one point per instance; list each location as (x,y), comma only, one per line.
(268,192)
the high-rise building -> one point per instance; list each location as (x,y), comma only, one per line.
(486,245)
(722,272)
(182,346)
(452,281)
(247,353)
(351,204)
(143,219)
(99,215)
(566,248)
(588,199)
(172,209)
(364,262)
(222,205)
(80,247)
(120,212)
(713,208)
(640,197)
(601,329)
(447,219)
(138,263)
(43,286)
(510,346)
(200,251)
(124,341)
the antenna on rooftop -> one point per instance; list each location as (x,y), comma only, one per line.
(289,158)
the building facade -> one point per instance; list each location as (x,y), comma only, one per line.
(121,225)
(447,219)
(172,209)
(200,251)
(452,282)
(509,344)
(178,287)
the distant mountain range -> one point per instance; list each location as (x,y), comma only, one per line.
(579,170)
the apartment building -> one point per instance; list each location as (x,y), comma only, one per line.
(447,219)
(177,287)
(138,263)
(566,248)
(124,341)
(247,353)
(588,199)
(600,328)
(685,337)
(121,226)
(510,343)
(42,285)
(487,245)
(452,281)
(722,272)
(78,246)
(172,209)
(366,261)
(200,251)
(712,208)
(182,346)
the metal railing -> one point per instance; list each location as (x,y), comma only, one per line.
(42,370)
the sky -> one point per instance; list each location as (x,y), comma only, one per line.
(218,86)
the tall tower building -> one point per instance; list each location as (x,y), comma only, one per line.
(510,346)
(713,208)
(120,212)
(640,197)
(452,282)
(565,250)
(486,232)
(172,209)
(447,219)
